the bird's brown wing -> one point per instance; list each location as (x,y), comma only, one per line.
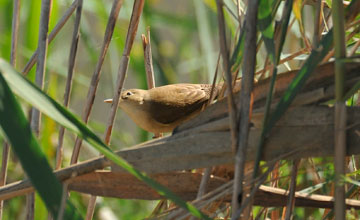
(177,101)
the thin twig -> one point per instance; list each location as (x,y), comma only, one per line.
(264,70)
(52,35)
(39,80)
(13,53)
(124,62)
(291,196)
(290,57)
(149,68)
(249,198)
(324,18)
(69,79)
(302,30)
(204,182)
(234,16)
(91,208)
(212,92)
(217,193)
(207,172)
(226,66)
(93,87)
(203,185)
(97,72)
(247,82)
(340,108)
(222,191)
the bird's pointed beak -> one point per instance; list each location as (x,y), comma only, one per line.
(108,100)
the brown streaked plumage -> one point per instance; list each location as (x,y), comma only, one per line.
(163,108)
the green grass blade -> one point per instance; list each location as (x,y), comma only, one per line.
(284,27)
(312,189)
(275,59)
(265,24)
(32,94)
(18,132)
(266,14)
(298,82)
(309,66)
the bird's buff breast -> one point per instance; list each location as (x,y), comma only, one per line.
(142,119)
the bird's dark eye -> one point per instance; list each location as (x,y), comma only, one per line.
(129,93)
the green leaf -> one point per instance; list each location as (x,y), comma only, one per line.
(284,27)
(32,94)
(349,180)
(236,57)
(266,14)
(314,188)
(18,132)
(265,24)
(297,7)
(298,82)
(275,59)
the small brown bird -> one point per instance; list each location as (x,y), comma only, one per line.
(163,108)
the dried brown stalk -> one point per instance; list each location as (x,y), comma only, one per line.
(69,79)
(286,59)
(97,72)
(124,62)
(203,185)
(149,68)
(52,35)
(226,66)
(291,196)
(247,82)
(249,199)
(39,81)
(340,139)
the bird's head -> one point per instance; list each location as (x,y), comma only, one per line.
(135,96)
(131,96)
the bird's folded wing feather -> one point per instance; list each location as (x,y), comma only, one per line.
(177,101)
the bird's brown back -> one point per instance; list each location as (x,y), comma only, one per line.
(177,102)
